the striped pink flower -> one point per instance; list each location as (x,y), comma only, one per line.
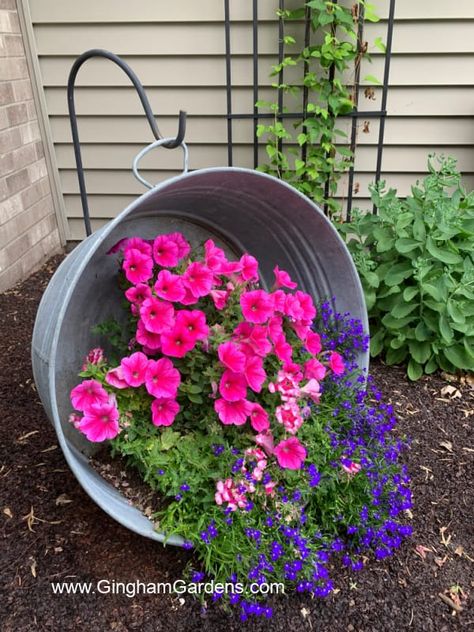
(257,306)
(169,286)
(138,267)
(165,251)
(162,379)
(134,369)
(232,386)
(290,454)
(229,413)
(87,393)
(157,316)
(164,411)
(100,421)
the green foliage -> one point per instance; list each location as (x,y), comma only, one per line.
(322,155)
(182,465)
(112,332)
(415,260)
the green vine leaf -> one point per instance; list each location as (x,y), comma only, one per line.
(317,167)
(378,43)
(372,79)
(370,14)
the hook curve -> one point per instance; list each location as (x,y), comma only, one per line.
(169,143)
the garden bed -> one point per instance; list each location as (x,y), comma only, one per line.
(52,532)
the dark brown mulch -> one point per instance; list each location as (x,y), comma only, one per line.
(52,531)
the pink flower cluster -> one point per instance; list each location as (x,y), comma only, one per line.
(100,412)
(350,467)
(289,453)
(169,296)
(234,493)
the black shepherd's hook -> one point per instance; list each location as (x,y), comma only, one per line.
(97,52)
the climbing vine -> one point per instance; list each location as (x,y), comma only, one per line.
(315,154)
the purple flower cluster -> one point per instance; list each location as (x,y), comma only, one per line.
(210,533)
(293,537)
(341,331)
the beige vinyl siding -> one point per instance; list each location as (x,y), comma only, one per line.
(177,50)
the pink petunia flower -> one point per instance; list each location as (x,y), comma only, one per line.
(307,305)
(287,385)
(162,379)
(336,363)
(257,306)
(137,266)
(290,454)
(283,349)
(243,331)
(350,467)
(248,268)
(232,386)
(293,369)
(270,488)
(265,440)
(231,269)
(165,251)
(115,378)
(177,342)
(157,316)
(87,393)
(198,278)
(279,301)
(214,256)
(164,411)
(128,243)
(312,390)
(147,338)
(275,327)
(220,298)
(188,298)
(232,412)
(314,369)
(229,492)
(138,244)
(138,293)
(231,356)
(313,343)
(290,416)
(293,308)
(302,328)
(283,279)
(258,341)
(194,322)
(255,373)
(258,417)
(183,246)
(169,286)
(100,421)
(117,247)
(134,369)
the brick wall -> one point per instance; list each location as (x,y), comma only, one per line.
(28,226)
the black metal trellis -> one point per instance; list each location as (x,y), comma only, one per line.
(256,115)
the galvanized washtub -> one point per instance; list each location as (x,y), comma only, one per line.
(244,210)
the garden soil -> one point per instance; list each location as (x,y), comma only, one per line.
(51,531)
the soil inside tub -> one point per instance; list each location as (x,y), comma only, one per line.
(52,532)
(127,480)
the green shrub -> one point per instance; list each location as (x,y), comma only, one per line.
(416,263)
